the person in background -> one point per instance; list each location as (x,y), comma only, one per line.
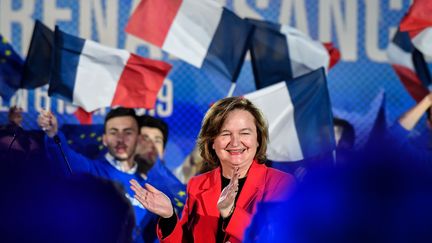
(20,147)
(191,166)
(12,135)
(149,156)
(151,143)
(419,148)
(221,202)
(15,116)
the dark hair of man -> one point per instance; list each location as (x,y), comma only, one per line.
(214,120)
(118,112)
(149,121)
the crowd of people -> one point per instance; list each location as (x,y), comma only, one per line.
(231,195)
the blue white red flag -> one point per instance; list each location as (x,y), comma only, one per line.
(299,116)
(418,23)
(280,52)
(410,65)
(202,33)
(94,76)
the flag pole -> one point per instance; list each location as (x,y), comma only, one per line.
(231,90)
(20,98)
(47,104)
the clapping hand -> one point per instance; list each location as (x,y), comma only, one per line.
(152,199)
(226,200)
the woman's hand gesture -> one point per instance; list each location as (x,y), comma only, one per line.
(152,199)
(226,200)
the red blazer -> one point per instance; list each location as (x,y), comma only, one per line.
(200,214)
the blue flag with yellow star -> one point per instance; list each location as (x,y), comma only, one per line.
(11,65)
(85,139)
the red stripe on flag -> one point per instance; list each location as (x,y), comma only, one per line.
(417,18)
(333,53)
(84,117)
(140,82)
(411,82)
(152,20)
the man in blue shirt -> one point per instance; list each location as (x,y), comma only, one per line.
(120,137)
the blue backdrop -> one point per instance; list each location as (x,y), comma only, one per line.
(361,29)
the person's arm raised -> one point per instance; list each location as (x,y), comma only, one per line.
(48,122)
(410,118)
(152,199)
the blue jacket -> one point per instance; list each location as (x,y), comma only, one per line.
(145,221)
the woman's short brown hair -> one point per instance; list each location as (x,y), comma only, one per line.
(213,121)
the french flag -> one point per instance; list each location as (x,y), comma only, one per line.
(200,32)
(37,66)
(280,52)
(93,76)
(301,121)
(418,23)
(410,65)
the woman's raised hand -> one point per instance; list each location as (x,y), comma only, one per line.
(152,199)
(226,200)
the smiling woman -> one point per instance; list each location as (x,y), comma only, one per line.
(234,133)
(220,203)
(237,143)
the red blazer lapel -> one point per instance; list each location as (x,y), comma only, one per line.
(211,189)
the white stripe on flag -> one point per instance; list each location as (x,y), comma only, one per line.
(192,30)
(98,73)
(284,144)
(399,57)
(423,41)
(306,54)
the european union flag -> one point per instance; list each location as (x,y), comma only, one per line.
(85,139)
(162,178)
(11,65)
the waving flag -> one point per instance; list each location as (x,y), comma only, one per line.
(202,33)
(301,121)
(366,124)
(379,127)
(280,52)
(418,23)
(93,76)
(11,65)
(37,66)
(84,117)
(410,65)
